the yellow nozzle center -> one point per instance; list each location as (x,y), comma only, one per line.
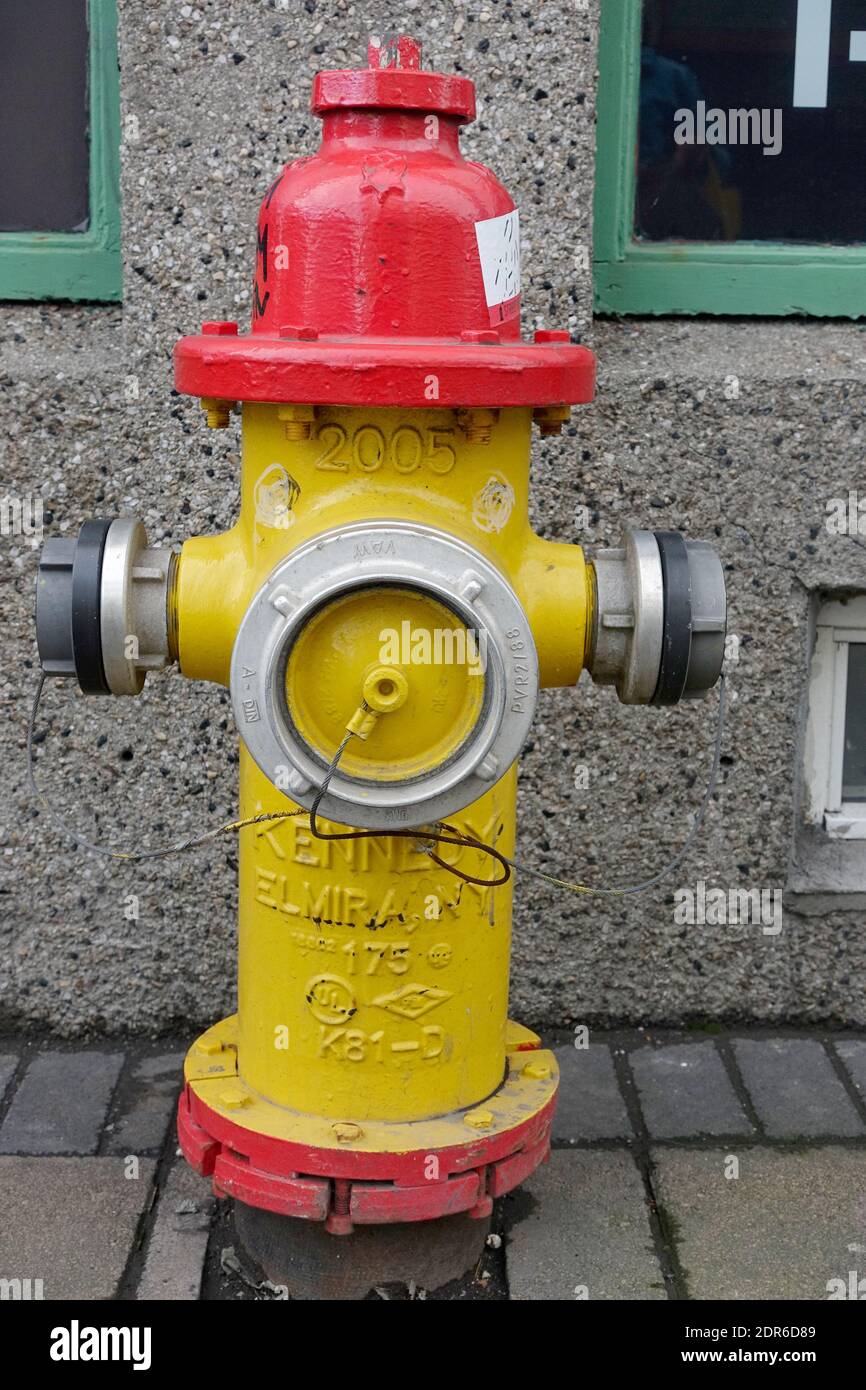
(386,689)
(406,656)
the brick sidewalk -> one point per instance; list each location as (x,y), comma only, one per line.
(685,1166)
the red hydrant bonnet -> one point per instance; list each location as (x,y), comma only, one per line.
(387,266)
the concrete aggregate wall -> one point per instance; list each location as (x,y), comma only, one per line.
(220,94)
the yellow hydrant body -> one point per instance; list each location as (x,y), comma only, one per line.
(384,616)
(372,983)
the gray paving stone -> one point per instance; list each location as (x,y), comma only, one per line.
(789,1224)
(142,1124)
(61,1103)
(684,1090)
(8,1063)
(178,1243)
(794,1088)
(70,1222)
(586,1227)
(853,1054)
(590,1104)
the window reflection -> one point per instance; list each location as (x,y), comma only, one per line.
(724,153)
(854,762)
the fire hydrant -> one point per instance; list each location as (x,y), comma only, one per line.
(383,617)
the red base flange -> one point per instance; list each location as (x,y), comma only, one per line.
(382,372)
(345,1188)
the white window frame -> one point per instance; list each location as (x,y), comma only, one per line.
(838,624)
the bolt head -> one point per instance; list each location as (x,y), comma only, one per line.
(303,331)
(345,1131)
(478,1119)
(552,335)
(233,1098)
(480,335)
(222,328)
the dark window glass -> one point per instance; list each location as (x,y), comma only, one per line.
(44,155)
(788,76)
(854,764)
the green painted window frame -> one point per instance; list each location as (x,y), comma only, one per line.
(80,265)
(647,278)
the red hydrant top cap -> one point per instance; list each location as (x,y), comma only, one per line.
(387,266)
(393,80)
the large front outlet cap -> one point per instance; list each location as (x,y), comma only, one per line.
(308,647)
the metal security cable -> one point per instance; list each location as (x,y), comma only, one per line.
(434,834)
(425,837)
(109,851)
(626,889)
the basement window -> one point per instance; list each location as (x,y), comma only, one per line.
(728,177)
(835,754)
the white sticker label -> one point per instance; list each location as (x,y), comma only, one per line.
(499,251)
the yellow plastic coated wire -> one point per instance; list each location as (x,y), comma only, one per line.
(426,837)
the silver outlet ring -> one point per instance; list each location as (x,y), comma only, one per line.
(126,540)
(397,554)
(641,673)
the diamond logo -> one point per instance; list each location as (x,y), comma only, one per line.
(412,1001)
